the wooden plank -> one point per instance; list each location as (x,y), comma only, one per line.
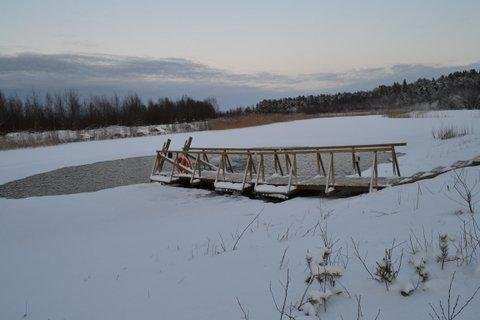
(204,160)
(343,182)
(175,164)
(292,152)
(386,144)
(187,144)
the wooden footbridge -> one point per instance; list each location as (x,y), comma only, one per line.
(277,171)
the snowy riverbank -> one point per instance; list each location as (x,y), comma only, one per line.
(152,251)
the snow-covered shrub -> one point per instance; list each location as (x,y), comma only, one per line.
(385,270)
(325,274)
(321,271)
(420,266)
(317,300)
(443,245)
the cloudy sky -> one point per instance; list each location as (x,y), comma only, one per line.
(238,51)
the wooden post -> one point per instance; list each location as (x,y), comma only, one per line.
(186,147)
(277,163)
(173,166)
(353,159)
(356,163)
(196,167)
(205,157)
(224,164)
(220,167)
(254,169)
(331,175)
(247,169)
(295,164)
(155,165)
(228,161)
(159,164)
(262,166)
(252,166)
(289,186)
(374,177)
(320,165)
(396,167)
(187,144)
(257,180)
(288,164)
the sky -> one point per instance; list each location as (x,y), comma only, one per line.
(259,40)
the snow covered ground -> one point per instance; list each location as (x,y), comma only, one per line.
(152,251)
(26,138)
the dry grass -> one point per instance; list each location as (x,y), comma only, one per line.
(404,113)
(398,113)
(256,119)
(250,120)
(450,132)
(29,142)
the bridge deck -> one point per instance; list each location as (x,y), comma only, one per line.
(316,182)
(273,171)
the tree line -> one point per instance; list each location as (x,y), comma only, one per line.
(69,111)
(453,91)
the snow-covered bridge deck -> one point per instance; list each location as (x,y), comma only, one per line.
(277,171)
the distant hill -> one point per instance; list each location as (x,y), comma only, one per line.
(457,90)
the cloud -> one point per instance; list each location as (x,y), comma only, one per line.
(152,78)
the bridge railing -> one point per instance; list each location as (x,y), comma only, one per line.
(193,160)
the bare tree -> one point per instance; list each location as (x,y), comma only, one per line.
(283,309)
(243,310)
(465,190)
(452,308)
